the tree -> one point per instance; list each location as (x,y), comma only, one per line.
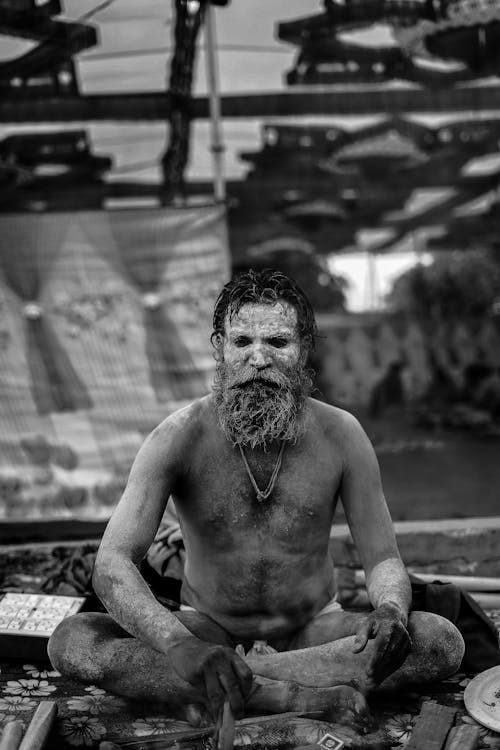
(297,258)
(456,285)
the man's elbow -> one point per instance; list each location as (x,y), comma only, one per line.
(100,576)
(108,564)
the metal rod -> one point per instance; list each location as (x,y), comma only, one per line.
(217,144)
(372,281)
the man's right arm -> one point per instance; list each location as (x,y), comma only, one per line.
(214,671)
(372,530)
(129,533)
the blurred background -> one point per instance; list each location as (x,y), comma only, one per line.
(148,153)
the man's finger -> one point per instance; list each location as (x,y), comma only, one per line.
(214,693)
(380,646)
(362,637)
(244,675)
(398,645)
(398,650)
(232,688)
(389,652)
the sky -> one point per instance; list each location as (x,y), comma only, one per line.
(133,55)
(249,58)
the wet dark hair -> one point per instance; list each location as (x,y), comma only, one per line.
(267,286)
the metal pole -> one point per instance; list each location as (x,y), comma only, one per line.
(372,280)
(419,244)
(217,145)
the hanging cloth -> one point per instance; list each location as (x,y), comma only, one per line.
(29,245)
(147,248)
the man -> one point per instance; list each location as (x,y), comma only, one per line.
(256,470)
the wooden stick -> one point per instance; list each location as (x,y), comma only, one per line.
(486,601)
(469,583)
(174,737)
(463,737)
(39,726)
(225,738)
(11,735)
(169,737)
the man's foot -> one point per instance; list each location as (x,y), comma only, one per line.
(348,706)
(341,704)
(196,715)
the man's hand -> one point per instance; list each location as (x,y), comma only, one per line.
(392,642)
(215,671)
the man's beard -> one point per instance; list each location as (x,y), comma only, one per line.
(255,408)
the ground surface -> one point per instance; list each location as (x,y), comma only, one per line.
(87,715)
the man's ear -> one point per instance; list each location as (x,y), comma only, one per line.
(217,340)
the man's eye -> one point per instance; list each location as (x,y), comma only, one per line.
(278,343)
(242,341)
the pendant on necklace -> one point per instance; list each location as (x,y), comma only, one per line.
(262,495)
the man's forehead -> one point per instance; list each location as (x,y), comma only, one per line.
(278,315)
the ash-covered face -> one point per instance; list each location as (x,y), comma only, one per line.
(261,382)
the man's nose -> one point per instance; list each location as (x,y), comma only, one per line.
(258,358)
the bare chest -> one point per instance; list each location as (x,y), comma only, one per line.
(219,498)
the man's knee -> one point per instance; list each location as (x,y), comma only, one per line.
(438,643)
(72,647)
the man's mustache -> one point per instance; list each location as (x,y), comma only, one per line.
(249,375)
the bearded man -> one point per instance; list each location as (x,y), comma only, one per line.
(255,470)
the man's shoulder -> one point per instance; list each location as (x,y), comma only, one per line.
(343,431)
(333,419)
(187,422)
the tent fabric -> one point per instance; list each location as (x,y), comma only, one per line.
(105,322)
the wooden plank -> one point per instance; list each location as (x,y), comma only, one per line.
(317,100)
(39,726)
(463,737)
(431,727)
(11,735)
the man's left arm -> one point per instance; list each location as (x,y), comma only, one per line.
(372,530)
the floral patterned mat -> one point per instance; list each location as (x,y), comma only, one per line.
(88,715)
